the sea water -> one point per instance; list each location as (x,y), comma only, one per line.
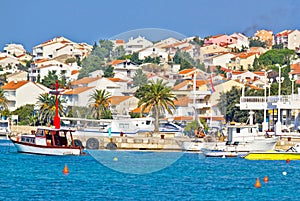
(140,175)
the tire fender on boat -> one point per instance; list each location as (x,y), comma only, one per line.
(78,143)
(92,143)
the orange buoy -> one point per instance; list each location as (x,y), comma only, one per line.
(266,179)
(66,170)
(257,183)
(288,160)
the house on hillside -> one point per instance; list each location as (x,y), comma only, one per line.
(153,52)
(8,63)
(41,68)
(289,39)
(78,96)
(122,105)
(17,76)
(210,50)
(242,61)
(14,49)
(218,59)
(266,36)
(61,46)
(136,44)
(125,67)
(20,93)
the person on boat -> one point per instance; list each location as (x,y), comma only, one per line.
(199,132)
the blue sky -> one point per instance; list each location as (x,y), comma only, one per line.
(31,22)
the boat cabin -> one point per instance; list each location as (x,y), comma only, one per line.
(242,132)
(51,137)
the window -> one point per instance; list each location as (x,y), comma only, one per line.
(238,130)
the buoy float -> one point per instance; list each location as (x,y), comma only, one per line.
(284,173)
(257,183)
(288,160)
(266,179)
(66,170)
(115,159)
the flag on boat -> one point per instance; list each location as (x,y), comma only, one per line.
(212,85)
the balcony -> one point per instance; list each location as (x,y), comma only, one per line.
(199,105)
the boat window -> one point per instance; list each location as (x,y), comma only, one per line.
(238,130)
(124,125)
(39,133)
(23,139)
(148,122)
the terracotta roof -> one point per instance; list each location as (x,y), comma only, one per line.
(115,62)
(295,66)
(186,71)
(138,110)
(76,90)
(182,101)
(116,79)
(115,100)
(14,85)
(74,72)
(260,73)
(216,118)
(183,118)
(181,84)
(85,80)
(120,41)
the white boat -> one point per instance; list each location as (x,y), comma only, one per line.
(192,145)
(219,153)
(129,127)
(244,138)
(47,141)
(5,129)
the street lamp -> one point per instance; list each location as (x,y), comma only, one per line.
(265,123)
(270,81)
(293,78)
(279,80)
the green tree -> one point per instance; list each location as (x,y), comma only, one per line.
(139,78)
(118,52)
(255,64)
(25,114)
(50,79)
(46,103)
(109,71)
(99,102)
(135,58)
(159,97)
(276,56)
(106,44)
(3,99)
(257,43)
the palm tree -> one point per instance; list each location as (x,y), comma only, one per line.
(99,102)
(158,97)
(46,103)
(3,99)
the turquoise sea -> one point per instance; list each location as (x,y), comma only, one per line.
(126,175)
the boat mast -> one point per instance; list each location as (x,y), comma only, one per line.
(56,117)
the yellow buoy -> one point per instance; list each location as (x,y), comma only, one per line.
(257,183)
(115,159)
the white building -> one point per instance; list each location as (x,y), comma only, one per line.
(20,93)
(153,52)
(134,45)
(61,46)
(14,49)
(289,39)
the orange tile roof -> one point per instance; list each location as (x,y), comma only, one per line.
(76,91)
(139,109)
(183,118)
(115,62)
(181,84)
(120,41)
(186,71)
(115,100)
(182,101)
(85,80)
(116,79)
(295,66)
(14,85)
(214,118)
(73,72)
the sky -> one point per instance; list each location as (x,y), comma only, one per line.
(31,22)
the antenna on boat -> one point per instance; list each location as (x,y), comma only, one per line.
(56,117)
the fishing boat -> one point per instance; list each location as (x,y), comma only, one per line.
(292,153)
(47,140)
